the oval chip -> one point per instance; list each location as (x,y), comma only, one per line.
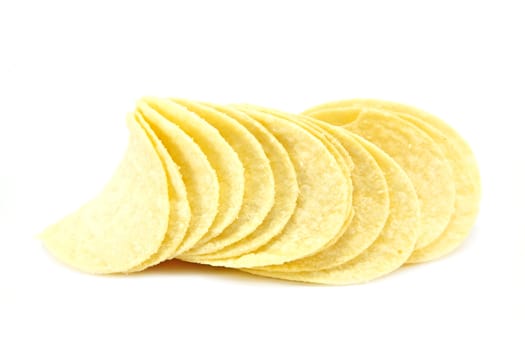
(418,155)
(220,154)
(259,189)
(180,213)
(371,208)
(199,177)
(334,147)
(322,206)
(394,244)
(464,169)
(126,223)
(286,189)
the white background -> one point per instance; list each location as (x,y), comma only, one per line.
(69,72)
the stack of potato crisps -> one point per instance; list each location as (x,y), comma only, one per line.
(342,193)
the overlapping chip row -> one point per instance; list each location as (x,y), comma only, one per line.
(343,193)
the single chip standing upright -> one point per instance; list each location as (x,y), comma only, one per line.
(126,223)
(180,212)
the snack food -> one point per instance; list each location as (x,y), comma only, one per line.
(333,146)
(286,189)
(220,154)
(371,207)
(200,179)
(259,186)
(345,193)
(180,212)
(414,151)
(126,223)
(393,246)
(321,208)
(462,162)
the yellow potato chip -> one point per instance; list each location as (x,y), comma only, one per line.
(464,168)
(334,147)
(259,188)
(199,177)
(344,193)
(286,189)
(371,206)
(126,223)
(418,155)
(180,213)
(322,206)
(220,154)
(393,246)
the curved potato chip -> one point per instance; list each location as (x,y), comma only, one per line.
(259,188)
(321,208)
(126,223)
(200,179)
(418,155)
(371,207)
(464,168)
(334,147)
(220,154)
(180,214)
(286,189)
(393,246)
